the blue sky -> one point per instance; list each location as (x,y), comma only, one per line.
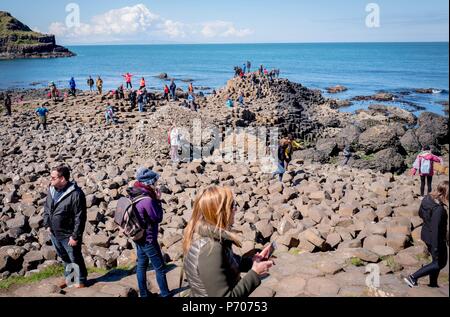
(235,21)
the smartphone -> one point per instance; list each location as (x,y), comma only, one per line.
(273,247)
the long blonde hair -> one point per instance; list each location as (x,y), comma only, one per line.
(441,193)
(213,206)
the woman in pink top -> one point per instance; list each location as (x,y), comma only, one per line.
(424,165)
(128,80)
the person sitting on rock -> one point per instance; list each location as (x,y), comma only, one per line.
(230,103)
(150,213)
(434,213)
(347,155)
(65,218)
(211,267)
(241,99)
(41,113)
(424,165)
(191,101)
(109,115)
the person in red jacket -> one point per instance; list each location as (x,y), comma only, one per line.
(128,77)
(166,92)
(142,83)
(424,165)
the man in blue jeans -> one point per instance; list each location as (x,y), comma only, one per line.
(65,219)
(150,213)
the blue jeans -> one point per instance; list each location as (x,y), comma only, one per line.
(280,171)
(151,252)
(70,255)
(141,107)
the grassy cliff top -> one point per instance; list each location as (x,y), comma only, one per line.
(9,25)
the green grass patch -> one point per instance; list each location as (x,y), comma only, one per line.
(369,157)
(443,278)
(51,271)
(423,257)
(295,251)
(390,262)
(356,261)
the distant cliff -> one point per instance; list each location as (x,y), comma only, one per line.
(18,41)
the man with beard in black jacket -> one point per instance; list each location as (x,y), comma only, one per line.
(65,218)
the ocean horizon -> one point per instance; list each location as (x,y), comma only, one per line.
(364,68)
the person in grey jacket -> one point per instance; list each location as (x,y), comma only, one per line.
(211,268)
(65,219)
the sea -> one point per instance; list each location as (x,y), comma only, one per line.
(364,68)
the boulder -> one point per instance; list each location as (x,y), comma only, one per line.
(410,142)
(336,89)
(433,129)
(378,138)
(265,228)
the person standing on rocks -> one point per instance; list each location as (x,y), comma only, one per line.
(65,218)
(132,98)
(283,160)
(191,88)
(424,165)
(99,85)
(120,92)
(41,114)
(150,213)
(142,84)
(54,91)
(259,91)
(173,89)
(434,212)
(73,86)
(212,269)
(175,142)
(90,83)
(140,100)
(128,77)
(166,92)
(249,66)
(7,103)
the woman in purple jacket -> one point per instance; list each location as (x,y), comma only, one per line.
(150,213)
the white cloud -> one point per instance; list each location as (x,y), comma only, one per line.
(127,22)
(58,29)
(173,28)
(223,29)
